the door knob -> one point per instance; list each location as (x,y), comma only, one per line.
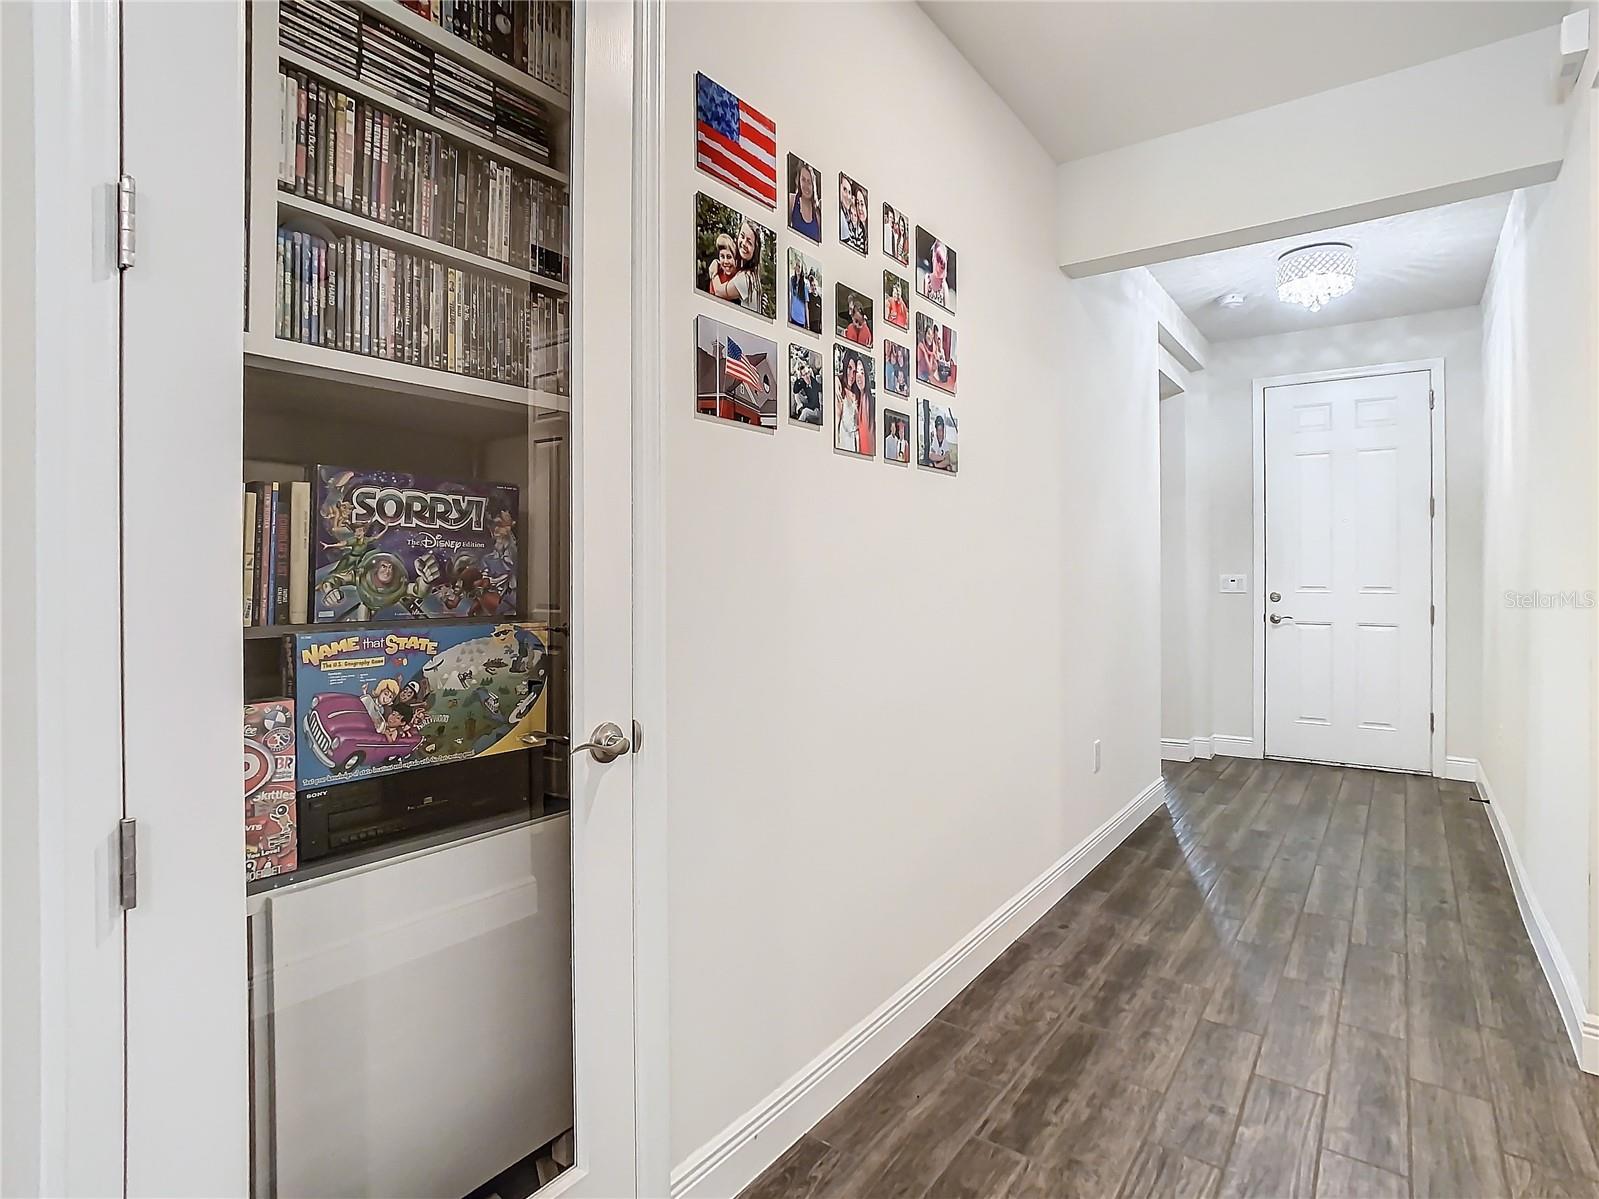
(1276,597)
(607,743)
(1274,618)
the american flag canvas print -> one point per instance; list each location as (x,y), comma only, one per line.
(734,142)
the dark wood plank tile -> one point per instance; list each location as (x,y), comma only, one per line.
(1454,1148)
(1159,1029)
(1374,991)
(1342,849)
(1538,1099)
(1234,891)
(979,1170)
(1448,1055)
(1367,1110)
(1107,1000)
(1032,1005)
(1297,1048)
(908,1156)
(1247,984)
(804,1171)
(1201,1107)
(1439,989)
(1204,951)
(1332,893)
(893,1088)
(1438,937)
(1294,865)
(1093,1146)
(1528,1180)
(1382,867)
(1272,917)
(1092,944)
(1342,1177)
(1274,1152)
(1024,1115)
(1161,1173)
(1512,995)
(1320,946)
(1430,894)
(1379,919)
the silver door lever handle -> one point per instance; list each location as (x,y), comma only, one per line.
(1275,619)
(607,743)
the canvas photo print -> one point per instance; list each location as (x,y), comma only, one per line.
(935,353)
(936,437)
(804,198)
(935,270)
(735,257)
(896,301)
(854,401)
(896,235)
(853,225)
(896,369)
(852,316)
(896,436)
(804,386)
(735,374)
(804,291)
(734,142)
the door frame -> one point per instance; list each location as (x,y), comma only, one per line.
(1438,532)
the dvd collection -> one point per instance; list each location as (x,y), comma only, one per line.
(532,35)
(277,553)
(404,68)
(347,293)
(339,150)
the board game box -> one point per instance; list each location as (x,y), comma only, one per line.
(393,546)
(270,845)
(376,700)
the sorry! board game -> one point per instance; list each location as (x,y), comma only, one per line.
(270,846)
(393,546)
(376,700)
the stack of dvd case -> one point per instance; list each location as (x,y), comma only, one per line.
(463,95)
(395,63)
(518,122)
(321,29)
(348,293)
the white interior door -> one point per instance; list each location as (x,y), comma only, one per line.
(371,964)
(1348,571)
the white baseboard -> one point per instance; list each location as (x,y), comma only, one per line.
(1582,1026)
(1461,770)
(1185,749)
(1229,746)
(735,1157)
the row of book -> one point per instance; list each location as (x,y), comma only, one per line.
(532,35)
(347,293)
(402,67)
(339,150)
(277,553)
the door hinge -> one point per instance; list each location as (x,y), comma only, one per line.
(1432,400)
(1432,613)
(1432,506)
(1432,722)
(128,862)
(127,220)
(638,736)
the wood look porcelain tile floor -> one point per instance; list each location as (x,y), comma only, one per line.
(1291,980)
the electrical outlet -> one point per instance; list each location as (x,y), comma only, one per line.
(1098,756)
(1232,584)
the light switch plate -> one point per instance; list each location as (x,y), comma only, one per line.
(1232,584)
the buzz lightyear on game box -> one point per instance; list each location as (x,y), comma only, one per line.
(374,699)
(393,546)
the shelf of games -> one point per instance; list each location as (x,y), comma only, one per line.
(407,395)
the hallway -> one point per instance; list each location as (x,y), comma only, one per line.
(1293,980)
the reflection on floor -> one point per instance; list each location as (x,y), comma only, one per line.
(1293,980)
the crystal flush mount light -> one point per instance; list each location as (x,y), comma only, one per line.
(1312,276)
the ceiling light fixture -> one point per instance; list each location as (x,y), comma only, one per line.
(1313,276)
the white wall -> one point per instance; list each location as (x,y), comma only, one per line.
(1538,706)
(1472,124)
(884,683)
(1223,472)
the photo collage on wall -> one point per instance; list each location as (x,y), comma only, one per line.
(740,264)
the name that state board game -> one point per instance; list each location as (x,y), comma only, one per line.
(395,546)
(377,700)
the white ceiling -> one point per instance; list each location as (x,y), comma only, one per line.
(1418,262)
(1092,75)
